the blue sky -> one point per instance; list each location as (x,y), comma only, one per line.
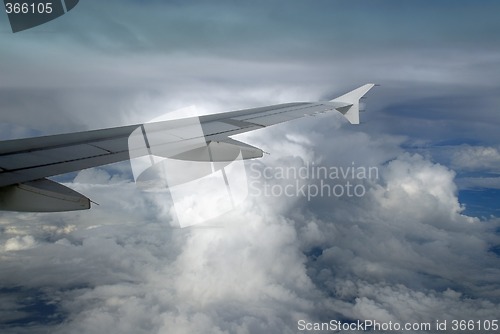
(425,233)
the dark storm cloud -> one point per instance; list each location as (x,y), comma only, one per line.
(238,28)
(464,117)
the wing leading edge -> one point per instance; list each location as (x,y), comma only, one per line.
(25,163)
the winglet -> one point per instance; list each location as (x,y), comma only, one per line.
(351,111)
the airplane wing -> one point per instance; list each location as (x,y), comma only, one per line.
(25,163)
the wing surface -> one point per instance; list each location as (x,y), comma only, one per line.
(29,159)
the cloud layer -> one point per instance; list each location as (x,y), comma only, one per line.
(403,252)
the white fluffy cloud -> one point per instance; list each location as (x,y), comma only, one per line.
(476,158)
(477,166)
(403,252)
(19,242)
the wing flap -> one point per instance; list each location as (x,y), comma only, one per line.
(226,150)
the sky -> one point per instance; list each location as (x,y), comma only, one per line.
(422,244)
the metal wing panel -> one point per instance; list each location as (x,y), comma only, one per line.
(111,145)
(67,139)
(218,127)
(38,172)
(29,159)
(49,156)
(272,119)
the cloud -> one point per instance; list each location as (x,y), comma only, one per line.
(477,166)
(100,67)
(476,158)
(19,243)
(404,252)
(479,182)
(99,176)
